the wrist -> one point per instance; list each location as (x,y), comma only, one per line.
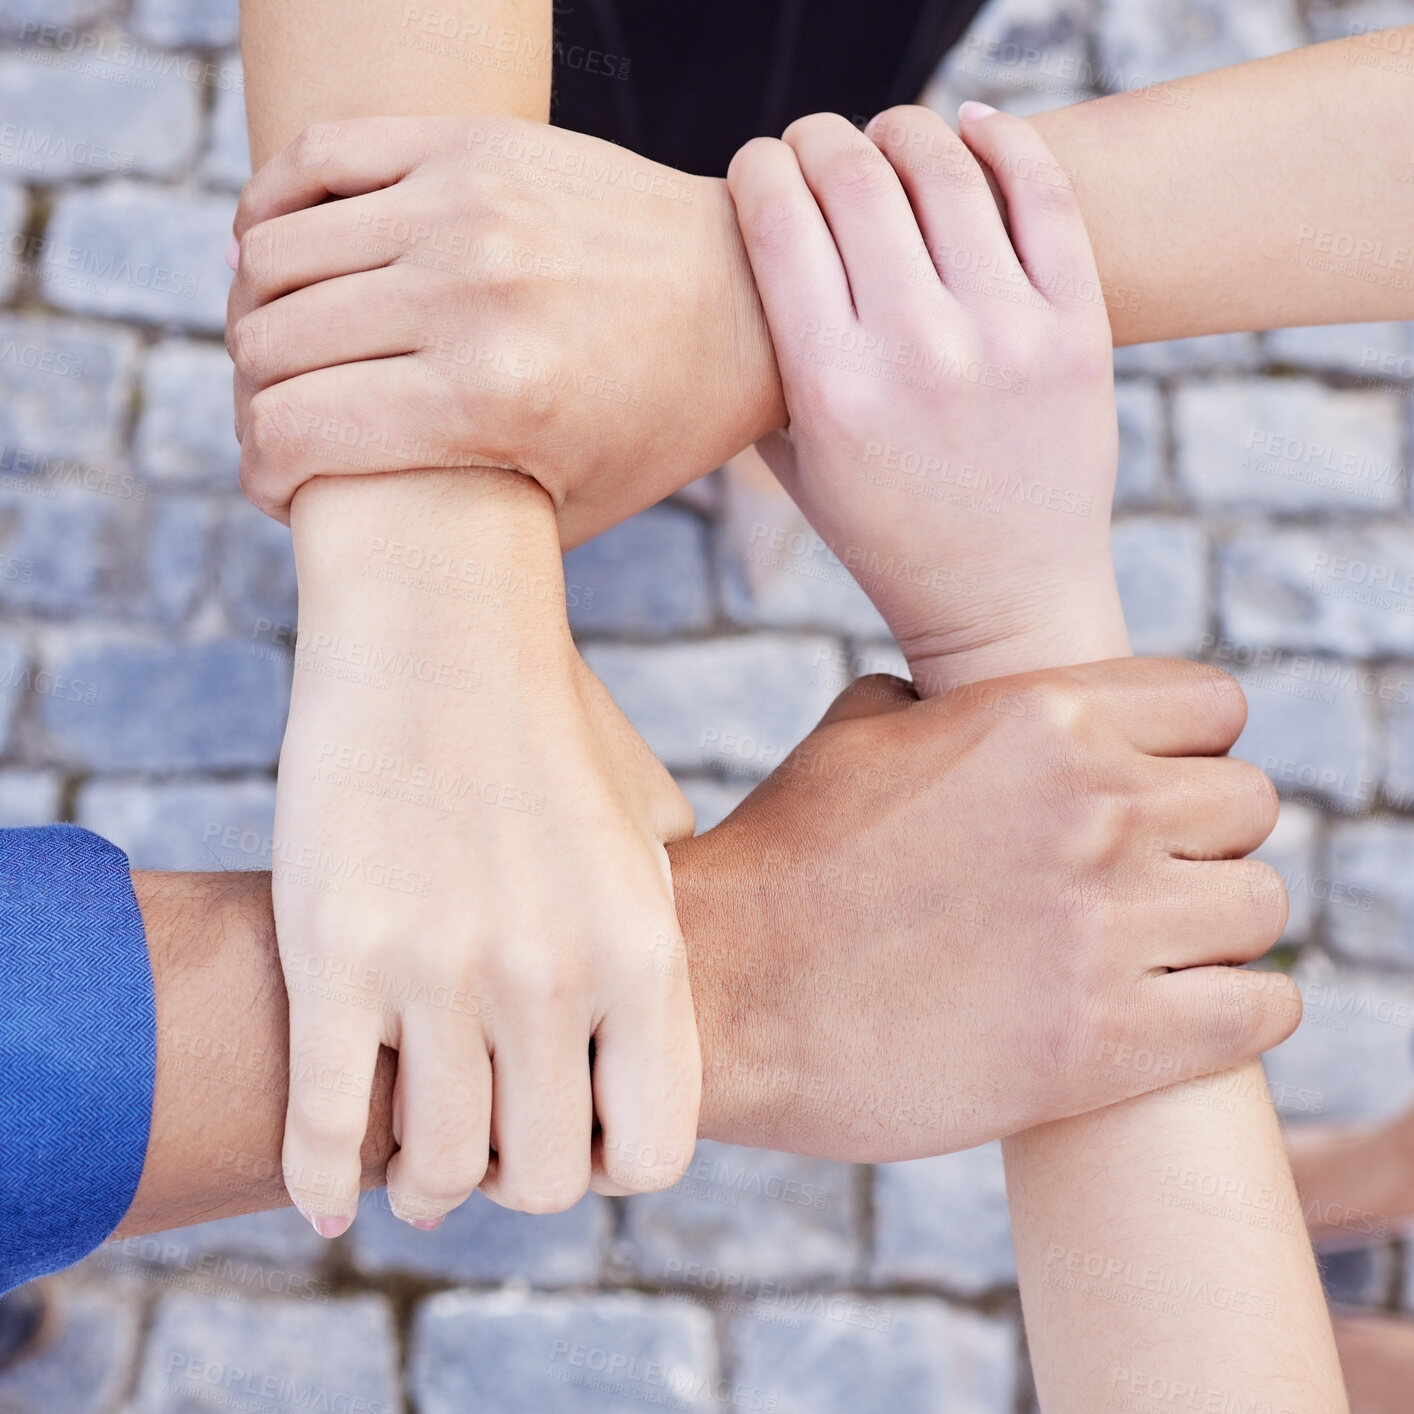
(752,365)
(1086,625)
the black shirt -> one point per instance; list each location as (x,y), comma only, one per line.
(686,83)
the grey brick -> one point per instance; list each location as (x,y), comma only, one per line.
(28,797)
(712,801)
(204,24)
(178,558)
(1288,444)
(227,161)
(257,570)
(32,17)
(64,389)
(85,1367)
(59,554)
(1162,569)
(1330,590)
(944,1222)
(13,210)
(83,117)
(16,677)
(1204,354)
(1359,1277)
(1310,728)
(482,1242)
(739,703)
(751,1215)
(1370,915)
(1025,54)
(1341,19)
(130,251)
(777,572)
(1141,443)
(1398,775)
(1352,1057)
(186,433)
(1376,351)
(927,1357)
(145,706)
(646,576)
(280,1355)
(1149,41)
(181,824)
(261,1254)
(512,1353)
(1291,850)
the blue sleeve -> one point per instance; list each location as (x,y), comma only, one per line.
(78,1047)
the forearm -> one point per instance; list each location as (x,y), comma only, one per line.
(1268,194)
(1161,1249)
(223,1038)
(310,62)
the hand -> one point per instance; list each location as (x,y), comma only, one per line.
(986,947)
(492,292)
(469,869)
(952,430)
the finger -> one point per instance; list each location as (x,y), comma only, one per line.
(322,243)
(346,320)
(873,696)
(1210,807)
(542,1110)
(333,1052)
(866,209)
(1047,229)
(346,158)
(365,418)
(952,201)
(1163,706)
(648,1079)
(1219,1017)
(793,256)
(1206,914)
(442,1104)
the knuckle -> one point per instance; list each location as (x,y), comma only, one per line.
(857,172)
(314,144)
(271,429)
(774,224)
(1220,700)
(250,345)
(259,258)
(548,1193)
(1266,900)
(325,1118)
(1057,706)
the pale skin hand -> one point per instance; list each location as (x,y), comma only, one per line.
(1217,203)
(1123,1288)
(856,991)
(448,817)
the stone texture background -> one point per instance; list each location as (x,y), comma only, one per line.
(139,696)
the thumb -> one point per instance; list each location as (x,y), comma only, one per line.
(873,696)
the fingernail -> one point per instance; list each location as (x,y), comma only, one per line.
(427,1226)
(330,1228)
(233,253)
(972,111)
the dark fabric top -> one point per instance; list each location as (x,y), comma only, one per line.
(688,83)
